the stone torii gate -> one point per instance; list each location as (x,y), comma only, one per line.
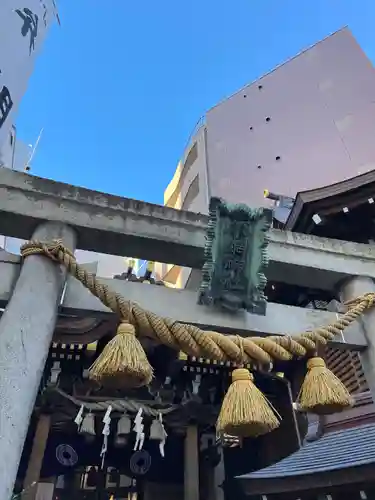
(40,209)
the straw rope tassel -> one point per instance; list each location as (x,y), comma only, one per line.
(245,411)
(123,362)
(322,392)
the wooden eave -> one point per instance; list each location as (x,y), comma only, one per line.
(329,200)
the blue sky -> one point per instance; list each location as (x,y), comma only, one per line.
(120,85)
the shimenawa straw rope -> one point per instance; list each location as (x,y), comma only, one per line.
(124,362)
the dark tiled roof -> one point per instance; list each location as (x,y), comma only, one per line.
(333,451)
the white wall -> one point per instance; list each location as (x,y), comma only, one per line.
(321,106)
(321,130)
(18,52)
(14,154)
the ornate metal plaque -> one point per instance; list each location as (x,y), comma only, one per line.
(236,257)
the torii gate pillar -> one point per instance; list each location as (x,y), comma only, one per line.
(26,329)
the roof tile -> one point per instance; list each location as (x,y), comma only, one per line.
(335,450)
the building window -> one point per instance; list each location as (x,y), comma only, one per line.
(189,161)
(191,194)
(268,119)
(278,158)
(259,166)
(260,87)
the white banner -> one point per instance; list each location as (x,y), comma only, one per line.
(23,28)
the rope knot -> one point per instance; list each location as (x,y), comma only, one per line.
(125,329)
(369,299)
(49,249)
(242,374)
(315,363)
(241,346)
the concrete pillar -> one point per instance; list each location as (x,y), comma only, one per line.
(30,484)
(351,289)
(191,476)
(26,330)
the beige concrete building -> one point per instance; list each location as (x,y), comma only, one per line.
(308,123)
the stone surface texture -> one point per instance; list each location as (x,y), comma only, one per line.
(26,330)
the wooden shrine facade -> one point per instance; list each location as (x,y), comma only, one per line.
(187,391)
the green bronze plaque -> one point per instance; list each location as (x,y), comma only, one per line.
(236,257)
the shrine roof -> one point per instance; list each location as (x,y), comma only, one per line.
(329,200)
(342,449)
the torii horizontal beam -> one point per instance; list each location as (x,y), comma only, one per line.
(121,226)
(182,305)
